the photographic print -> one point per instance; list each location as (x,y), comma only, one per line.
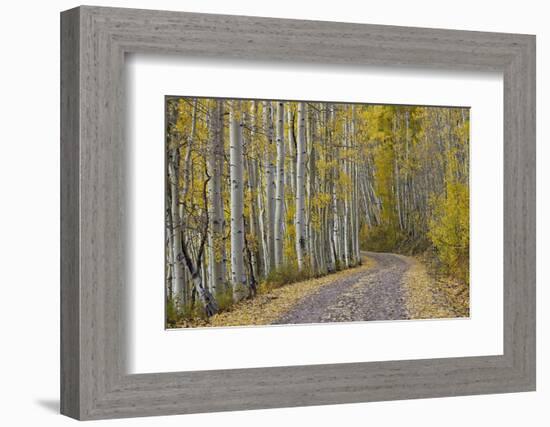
(295,212)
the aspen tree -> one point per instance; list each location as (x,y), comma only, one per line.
(238,276)
(216,241)
(301,243)
(280,186)
(269,186)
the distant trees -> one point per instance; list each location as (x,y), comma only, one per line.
(302,186)
(414,183)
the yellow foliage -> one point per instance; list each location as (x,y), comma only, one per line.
(449,229)
(270,304)
(428,298)
(408,164)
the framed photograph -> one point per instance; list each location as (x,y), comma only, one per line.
(261,213)
(323,197)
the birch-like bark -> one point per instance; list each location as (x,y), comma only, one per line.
(187,160)
(292,151)
(255,244)
(355,211)
(335,217)
(356,216)
(170,260)
(250,232)
(196,269)
(207,299)
(327,233)
(301,243)
(269,186)
(216,243)
(345,224)
(262,228)
(173,176)
(177,212)
(280,187)
(238,276)
(223,251)
(311,235)
(254,186)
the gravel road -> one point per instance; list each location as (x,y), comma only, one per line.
(375,294)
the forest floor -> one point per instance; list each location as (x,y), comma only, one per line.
(385,287)
(397,287)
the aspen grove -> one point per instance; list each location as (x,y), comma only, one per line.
(261,192)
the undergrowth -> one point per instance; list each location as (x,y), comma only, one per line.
(193,314)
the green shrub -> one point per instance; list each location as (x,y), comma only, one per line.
(224,298)
(171,313)
(286,274)
(381,238)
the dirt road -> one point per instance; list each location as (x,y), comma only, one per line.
(375,294)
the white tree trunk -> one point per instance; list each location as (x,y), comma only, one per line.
(346,222)
(207,299)
(335,237)
(263,235)
(177,216)
(280,187)
(173,176)
(301,243)
(216,241)
(269,187)
(311,235)
(292,151)
(355,212)
(254,186)
(187,160)
(170,259)
(255,244)
(356,216)
(238,276)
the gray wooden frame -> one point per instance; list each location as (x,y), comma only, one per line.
(94,41)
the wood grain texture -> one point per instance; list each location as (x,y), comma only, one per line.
(95,236)
(70,314)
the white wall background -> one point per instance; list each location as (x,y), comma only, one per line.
(29,218)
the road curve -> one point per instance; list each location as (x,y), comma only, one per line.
(375,294)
